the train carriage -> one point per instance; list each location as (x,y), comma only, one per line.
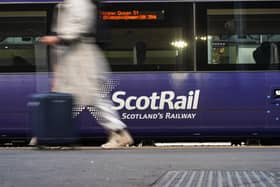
(182,70)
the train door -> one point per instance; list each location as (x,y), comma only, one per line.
(22,64)
(273,108)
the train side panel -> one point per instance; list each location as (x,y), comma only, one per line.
(164,104)
(228,104)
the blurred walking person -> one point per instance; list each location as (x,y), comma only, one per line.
(81,67)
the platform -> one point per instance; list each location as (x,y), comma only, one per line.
(203,166)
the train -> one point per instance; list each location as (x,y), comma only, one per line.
(184,70)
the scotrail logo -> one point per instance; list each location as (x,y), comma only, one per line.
(165,100)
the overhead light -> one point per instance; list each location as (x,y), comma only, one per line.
(204,38)
(179,44)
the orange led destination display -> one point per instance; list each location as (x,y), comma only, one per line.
(131,15)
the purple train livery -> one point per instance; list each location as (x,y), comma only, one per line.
(181,70)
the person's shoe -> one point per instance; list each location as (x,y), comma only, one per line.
(118,140)
(112,141)
(33,141)
(125,138)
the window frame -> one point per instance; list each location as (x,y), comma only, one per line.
(48,8)
(187,58)
(201,30)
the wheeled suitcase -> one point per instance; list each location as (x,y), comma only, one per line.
(50,117)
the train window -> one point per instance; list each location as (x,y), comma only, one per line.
(241,37)
(151,37)
(18,37)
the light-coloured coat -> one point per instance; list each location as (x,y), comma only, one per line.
(81,68)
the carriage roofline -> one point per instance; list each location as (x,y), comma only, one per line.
(127,1)
(192,1)
(30,1)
